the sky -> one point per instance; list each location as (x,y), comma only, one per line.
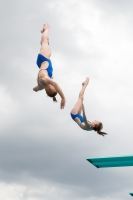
(42,150)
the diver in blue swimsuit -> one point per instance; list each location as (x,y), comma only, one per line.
(82,120)
(45,74)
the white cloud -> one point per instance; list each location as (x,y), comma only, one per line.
(8,108)
(88,38)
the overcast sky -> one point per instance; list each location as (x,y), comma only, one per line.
(42,150)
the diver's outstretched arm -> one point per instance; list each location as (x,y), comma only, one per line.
(85,118)
(58,89)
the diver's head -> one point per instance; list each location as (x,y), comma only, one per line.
(51,91)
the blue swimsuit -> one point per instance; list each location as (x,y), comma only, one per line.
(77,115)
(41,59)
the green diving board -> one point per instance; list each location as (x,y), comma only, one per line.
(111,161)
(131,193)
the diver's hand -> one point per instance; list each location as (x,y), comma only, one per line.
(63,102)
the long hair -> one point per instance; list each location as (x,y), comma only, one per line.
(52,95)
(98,129)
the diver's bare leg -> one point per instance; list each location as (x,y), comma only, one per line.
(45,48)
(78,106)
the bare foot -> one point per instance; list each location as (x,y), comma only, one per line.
(86,81)
(45,26)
